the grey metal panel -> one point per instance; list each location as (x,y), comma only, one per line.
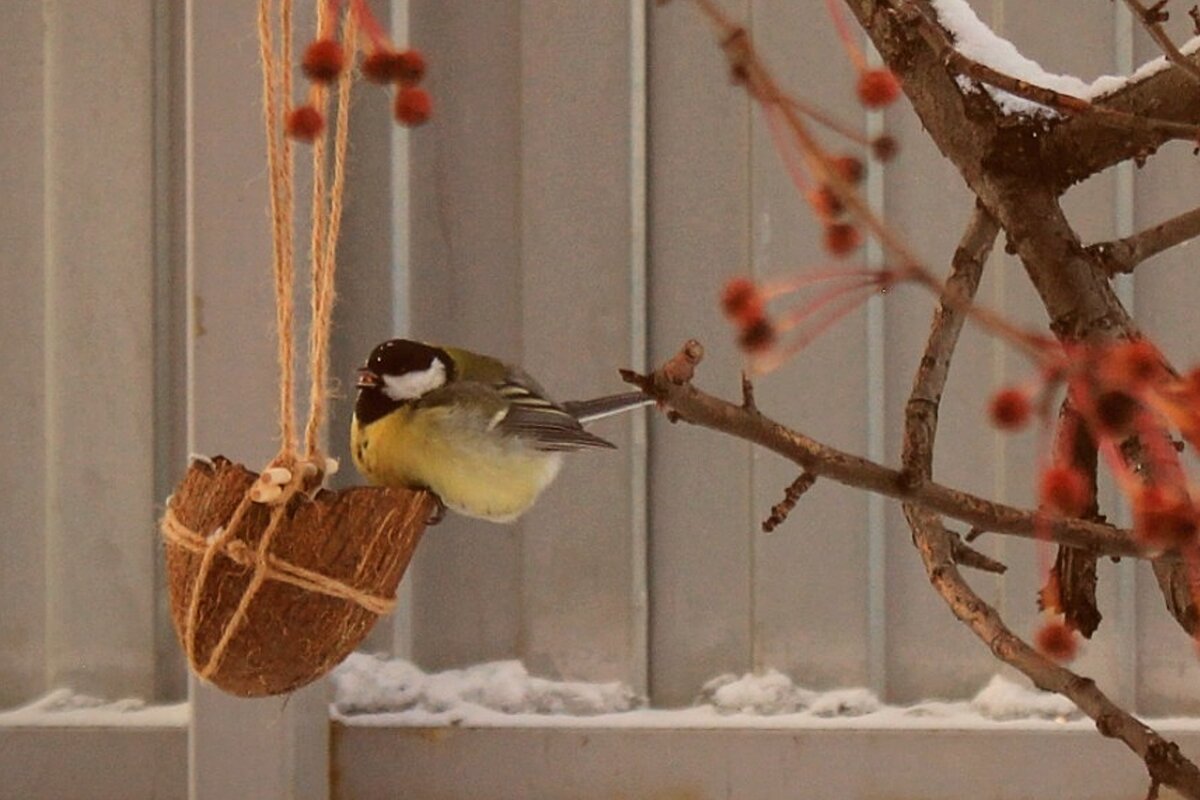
(465,289)
(929,653)
(367,270)
(1167,294)
(99,347)
(84,763)
(22,351)
(1090,29)
(275,747)
(581,608)
(744,763)
(810,602)
(701,520)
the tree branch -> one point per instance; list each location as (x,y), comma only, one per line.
(936,37)
(1152,20)
(1163,760)
(689,404)
(1122,255)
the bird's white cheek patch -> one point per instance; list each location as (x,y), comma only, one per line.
(412,385)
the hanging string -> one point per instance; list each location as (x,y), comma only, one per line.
(325,252)
(276,88)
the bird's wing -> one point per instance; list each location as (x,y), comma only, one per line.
(516,407)
(533,416)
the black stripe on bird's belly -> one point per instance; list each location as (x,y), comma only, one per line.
(373,404)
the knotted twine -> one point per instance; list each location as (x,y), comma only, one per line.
(302,473)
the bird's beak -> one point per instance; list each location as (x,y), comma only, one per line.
(367,379)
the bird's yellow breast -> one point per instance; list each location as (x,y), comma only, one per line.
(471,468)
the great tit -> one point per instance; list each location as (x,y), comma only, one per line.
(480,434)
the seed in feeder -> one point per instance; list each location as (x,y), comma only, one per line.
(265,492)
(331,466)
(277,475)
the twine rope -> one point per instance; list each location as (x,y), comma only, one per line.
(326,224)
(276,79)
(176,533)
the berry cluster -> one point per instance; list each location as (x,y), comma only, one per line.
(325,61)
(1129,401)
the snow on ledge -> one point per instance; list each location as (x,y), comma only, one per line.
(373,691)
(975,40)
(63,708)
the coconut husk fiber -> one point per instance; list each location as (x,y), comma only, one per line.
(263,623)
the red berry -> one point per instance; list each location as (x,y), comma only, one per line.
(1163,517)
(742,301)
(1057,641)
(1010,409)
(825,202)
(413,106)
(323,61)
(850,168)
(884,147)
(411,68)
(757,336)
(1131,365)
(392,66)
(1115,413)
(1065,490)
(304,123)
(878,87)
(841,238)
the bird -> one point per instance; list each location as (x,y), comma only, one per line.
(481,435)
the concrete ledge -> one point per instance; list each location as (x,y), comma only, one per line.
(447,763)
(93,763)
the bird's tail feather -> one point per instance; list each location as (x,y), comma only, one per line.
(591,410)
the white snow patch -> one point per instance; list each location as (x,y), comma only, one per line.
(975,40)
(366,684)
(1003,699)
(63,708)
(374,691)
(770,693)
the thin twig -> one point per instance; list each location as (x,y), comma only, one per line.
(791,495)
(748,401)
(1152,19)
(1122,255)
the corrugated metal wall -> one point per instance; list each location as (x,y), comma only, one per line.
(588,182)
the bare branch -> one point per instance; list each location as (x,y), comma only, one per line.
(937,546)
(689,404)
(1152,19)
(1122,255)
(1164,762)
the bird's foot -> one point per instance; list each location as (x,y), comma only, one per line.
(439,512)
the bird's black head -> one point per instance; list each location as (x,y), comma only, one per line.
(400,371)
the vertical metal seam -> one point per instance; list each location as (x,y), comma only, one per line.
(752,639)
(1123,225)
(402,619)
(163,323)
(189,338)
(876,398)
(639,522)
(999,350)
(49,481)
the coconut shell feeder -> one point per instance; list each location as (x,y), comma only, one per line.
(273,578)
